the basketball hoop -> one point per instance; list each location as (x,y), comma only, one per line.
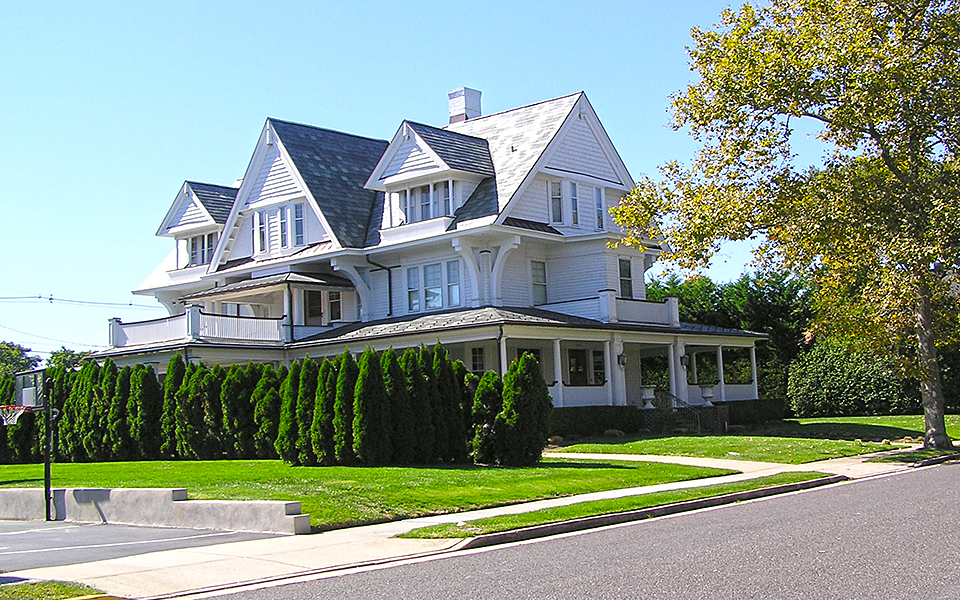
(10,413)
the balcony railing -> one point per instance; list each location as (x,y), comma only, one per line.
(195,325)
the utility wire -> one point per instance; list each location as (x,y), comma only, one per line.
(49,338)
(51,300)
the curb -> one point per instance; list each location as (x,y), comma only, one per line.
(538,531)
(935,461)
(98,597)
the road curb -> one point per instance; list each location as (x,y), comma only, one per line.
(935,461)
(538,531)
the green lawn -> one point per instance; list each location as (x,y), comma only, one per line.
(893,427)
(915,456)
(44,590)
(601,507)
(342,496)
(761,448)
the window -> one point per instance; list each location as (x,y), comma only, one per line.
(432,285)
(262,231)
(298,236)
(626,279)
(577,365)
(538,275)
(312,308)
(211,243)
(284,228)
(446,192)
(598,201)
(476,360)
(535,352)
(425,203)
(408,206)
(599,376)
(196,250)
(556,202)
(574,209)
(413,289)
(333,299)
(453,283)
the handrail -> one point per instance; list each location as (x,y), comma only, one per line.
(663,397)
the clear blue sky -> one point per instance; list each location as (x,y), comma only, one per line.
(109,107)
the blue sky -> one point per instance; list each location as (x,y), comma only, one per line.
(109,107)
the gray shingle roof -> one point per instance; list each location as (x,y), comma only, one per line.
(482,202)
(217,199)
(320,280)
(335,166)
(463,152)
(490,315)
(517,139)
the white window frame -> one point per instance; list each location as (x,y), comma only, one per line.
(315,305)
(431,292)
(555,201)
(599,204)
(574,204)
(413,289)
(261,234)
(626,283)
(335,305)
(283,219)
(426,205)
(299,225)
(452,287)
(535,285)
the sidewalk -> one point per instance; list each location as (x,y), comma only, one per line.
(192,570)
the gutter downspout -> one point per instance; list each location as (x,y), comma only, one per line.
(389,283)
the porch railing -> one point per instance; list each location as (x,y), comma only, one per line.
(195,325)
(665,400)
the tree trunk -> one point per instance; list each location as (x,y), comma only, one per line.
(931,392)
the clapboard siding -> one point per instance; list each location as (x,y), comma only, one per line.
(189,213)
(580,152)
(409,157)
(576,275)
(274,179)
(532,204)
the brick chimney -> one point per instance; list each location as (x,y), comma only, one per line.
(464,104)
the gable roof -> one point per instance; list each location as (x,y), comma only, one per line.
(517,138)
(217,199)
(458,151)
(334,166)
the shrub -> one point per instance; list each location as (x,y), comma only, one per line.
(420,405)
(147,399)
(435,411)
(343,409)
(189,413)
(371,426)
(288,430)
(520,430)
(403,434)
(321,432)
(119,441)
(306,399)
(211,388)
(176,370)
(95,442)
(487,404)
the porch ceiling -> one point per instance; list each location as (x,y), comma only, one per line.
(303,281)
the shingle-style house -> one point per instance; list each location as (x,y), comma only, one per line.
(491,234)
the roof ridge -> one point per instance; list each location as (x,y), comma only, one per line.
(226,187)
(327,129)
(445,130)
(516,108)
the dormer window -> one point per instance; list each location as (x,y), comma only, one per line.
(201,248)
(273,231)
(426,201)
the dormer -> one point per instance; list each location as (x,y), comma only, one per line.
(195,221)
(426,174)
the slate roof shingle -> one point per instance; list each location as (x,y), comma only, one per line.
(463,152)
(335,166)
(217,199)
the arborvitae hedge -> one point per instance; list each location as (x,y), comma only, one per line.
(420,405)
(288,429)
(145,392)
(266,413)
(321,430)
(403,424)
(168,421)
(487,404)
(521,428)
(119,444)
(343,409)
(306,399)
(212,413)
(371,427)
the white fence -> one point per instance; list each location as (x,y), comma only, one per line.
(149,332)
(241,328)
(643,311)
(195,325)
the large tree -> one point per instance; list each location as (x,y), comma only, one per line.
(874,227)
(15,358)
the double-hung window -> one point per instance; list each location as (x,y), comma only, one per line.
(599,376)
(432,286)
(335,303)
(626,279)
(453,283)
(409,207)
(556,201)
(425,203)
(298,229)
(598,202)
(413,289)
(284,228)
(476,360)
(262,234)
(446,193)
(574,205)
(538,276)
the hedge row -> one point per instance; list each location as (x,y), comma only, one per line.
(416,408)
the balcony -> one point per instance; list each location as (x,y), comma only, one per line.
(417,230)
(196,326)
(607,308)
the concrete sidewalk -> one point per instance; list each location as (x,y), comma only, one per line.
(192,570)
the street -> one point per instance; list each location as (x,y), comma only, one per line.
(890,537)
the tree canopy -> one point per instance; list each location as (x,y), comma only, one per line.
(875,228)
(15,358)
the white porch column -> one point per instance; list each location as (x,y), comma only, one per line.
(672,368)
(722,385)
(288,315)
(485,272)
(618,373)
(557,373)
(682,389)
(606,371)
(693,369)
(503,356)
(753,373)
(193,321)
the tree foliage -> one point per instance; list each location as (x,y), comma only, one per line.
(343,408)
(520,430)
(15,358)
(876,227)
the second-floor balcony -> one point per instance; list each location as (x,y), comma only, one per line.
(608,308)
(198,326)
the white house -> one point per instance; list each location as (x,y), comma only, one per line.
(491,234)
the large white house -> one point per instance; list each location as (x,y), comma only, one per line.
(491,234)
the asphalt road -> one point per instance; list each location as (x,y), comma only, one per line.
(33,544)
(895,537)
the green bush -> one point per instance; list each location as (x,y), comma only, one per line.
(306,399)
(288,430)
(371,426)
(119,442)
(176,370)
(321,432)
(416,382)
(402,420)
(343,409)
(520,430)
(831,380)
(146,400)
(487,404)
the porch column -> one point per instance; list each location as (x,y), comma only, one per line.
(693,369)
(753,373)
(618,372)
(606,371)
(503,356)
(722,384)
(682,388)
(672,368)
(288,315)
(193,321)
(557,373)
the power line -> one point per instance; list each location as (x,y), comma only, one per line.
(49,338)
(50,299)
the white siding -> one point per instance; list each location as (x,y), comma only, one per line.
(409,157)
(532,204)
(576,275)
(273,180)
(188,213)
(243,245)
(636,272)
(441,256)
(580,152)
(516,285)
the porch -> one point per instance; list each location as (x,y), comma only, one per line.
(195,325)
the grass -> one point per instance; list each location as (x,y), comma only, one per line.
(44,590)
(759,448)
(343,496)
(892,427)
(915,456)
(601,507)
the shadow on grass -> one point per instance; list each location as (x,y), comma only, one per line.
(15,481)
(551,463)
(836,431)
